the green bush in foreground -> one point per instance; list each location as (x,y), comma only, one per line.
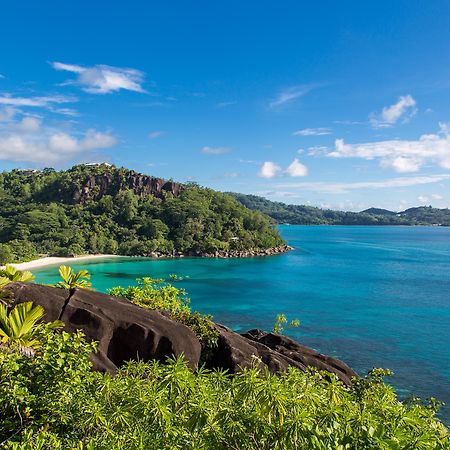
(156,294)
(54,401)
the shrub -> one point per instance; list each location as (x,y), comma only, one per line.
(55,401)
(156,294)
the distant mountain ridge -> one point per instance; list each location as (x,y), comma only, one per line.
(310,215)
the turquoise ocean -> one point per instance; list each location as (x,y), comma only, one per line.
(371,296)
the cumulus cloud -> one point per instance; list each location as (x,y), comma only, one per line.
(28,140)
(269,170)
(215,150)
(296,169)
(156,134)
(289,95)
(28,125)
(102,79)
(401,155)
(312,132)
(39,102)
(7,113)
(403,110)
(343,188)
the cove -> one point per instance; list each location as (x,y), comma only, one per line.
(371,296)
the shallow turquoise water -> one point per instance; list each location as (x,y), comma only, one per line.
(372,296)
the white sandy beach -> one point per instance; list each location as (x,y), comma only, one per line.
(54,260)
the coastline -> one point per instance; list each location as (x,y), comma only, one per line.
(54,260)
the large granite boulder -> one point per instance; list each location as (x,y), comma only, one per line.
(124,331)
(236,352)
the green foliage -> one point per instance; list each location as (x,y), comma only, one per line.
(19,326)
(12,275)
(43,213)
(156,294)
(72,280)
(310,215)
(281,319)
(54,401)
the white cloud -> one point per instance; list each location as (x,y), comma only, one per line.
(27,140)
(225,104)
(436,196)
(296,169)
(28,124)
(312,132)
(102,79)
(7,113)
(215,150)
(156,134)
(404,109)
(342,188)
(269,170)
(401,155)
(290,94)
(35,101)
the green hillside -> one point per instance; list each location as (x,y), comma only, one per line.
(309,215)
(104,209)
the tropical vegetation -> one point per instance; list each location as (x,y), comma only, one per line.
(50,398)
(43,212)
(310,215)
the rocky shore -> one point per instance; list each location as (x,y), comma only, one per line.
(224,254)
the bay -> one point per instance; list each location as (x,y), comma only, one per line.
(371,296)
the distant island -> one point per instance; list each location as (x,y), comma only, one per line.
(102,209)
(310,215)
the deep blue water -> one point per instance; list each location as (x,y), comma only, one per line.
(372,296)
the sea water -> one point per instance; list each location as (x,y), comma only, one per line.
(371,296)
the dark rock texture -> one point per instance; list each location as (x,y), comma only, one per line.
(127,332)
(96,186)
(302,355)
(236,352)
(124,331)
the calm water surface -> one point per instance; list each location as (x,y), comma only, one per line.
(372,296)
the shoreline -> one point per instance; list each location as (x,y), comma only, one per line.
(57,260)
(54,260)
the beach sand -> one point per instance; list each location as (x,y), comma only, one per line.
(55,260)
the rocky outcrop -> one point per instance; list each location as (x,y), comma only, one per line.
(304,356)
(95,187)
(276,352)
(126,332)
(222,254)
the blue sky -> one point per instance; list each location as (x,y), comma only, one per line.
(336,104)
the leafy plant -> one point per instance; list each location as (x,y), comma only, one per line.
(55,401)
(72,280)
(18,327)
(281,319)
(11,275)
(156,294)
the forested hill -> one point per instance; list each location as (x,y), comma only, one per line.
(309,215)
(104,209)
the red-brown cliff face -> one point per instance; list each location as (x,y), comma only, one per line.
(96,186)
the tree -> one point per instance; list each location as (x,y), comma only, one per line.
(6,254)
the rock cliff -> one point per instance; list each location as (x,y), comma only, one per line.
(95,187)
(125,332)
